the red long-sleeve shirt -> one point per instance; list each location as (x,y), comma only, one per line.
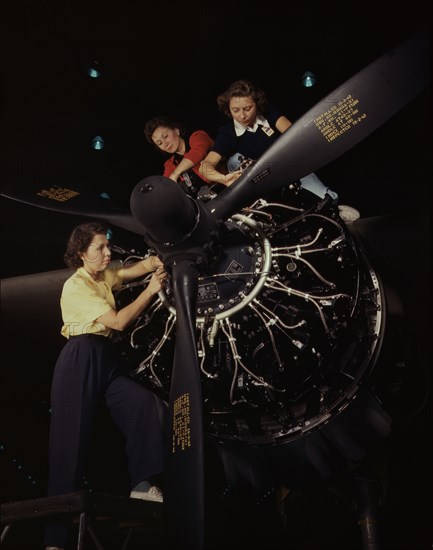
(199,145)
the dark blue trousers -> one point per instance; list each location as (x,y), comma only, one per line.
(88,372)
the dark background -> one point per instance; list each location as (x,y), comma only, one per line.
(174,58)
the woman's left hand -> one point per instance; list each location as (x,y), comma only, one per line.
(155,263)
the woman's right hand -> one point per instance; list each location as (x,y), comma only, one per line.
(231,177)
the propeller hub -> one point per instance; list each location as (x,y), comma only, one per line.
(166,213)
(176,225)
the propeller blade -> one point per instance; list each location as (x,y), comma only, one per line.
(334,125)
(179,228)
(73,200)
(184,487)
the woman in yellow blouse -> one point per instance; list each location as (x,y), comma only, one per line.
(89,371)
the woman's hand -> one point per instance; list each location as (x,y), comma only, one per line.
(141,268)
(228,179)
(155,263)
(158,277)
(157,280)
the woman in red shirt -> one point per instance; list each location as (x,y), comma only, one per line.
(186,150)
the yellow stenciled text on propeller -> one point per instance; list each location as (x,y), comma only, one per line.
(60,194)
(340,118)
(181,423)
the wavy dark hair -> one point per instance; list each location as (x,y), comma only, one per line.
(242,88)
(162,120)
(79,242)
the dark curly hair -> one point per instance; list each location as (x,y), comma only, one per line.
(79,242)
(242,88)
(162,120)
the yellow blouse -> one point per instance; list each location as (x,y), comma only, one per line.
(83,300)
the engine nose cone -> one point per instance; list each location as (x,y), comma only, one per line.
(163,209)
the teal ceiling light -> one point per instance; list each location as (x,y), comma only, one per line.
(98,143)
(308,79)
(94,70)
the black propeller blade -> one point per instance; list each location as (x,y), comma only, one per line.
(73,199)
(184,493)
(179,229)
(334,125)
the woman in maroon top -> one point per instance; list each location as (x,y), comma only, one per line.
(186,150)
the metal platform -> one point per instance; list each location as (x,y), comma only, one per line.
(87,510)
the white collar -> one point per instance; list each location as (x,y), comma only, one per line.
(241,129)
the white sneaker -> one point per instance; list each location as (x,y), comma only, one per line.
(348,214)
(145,491)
